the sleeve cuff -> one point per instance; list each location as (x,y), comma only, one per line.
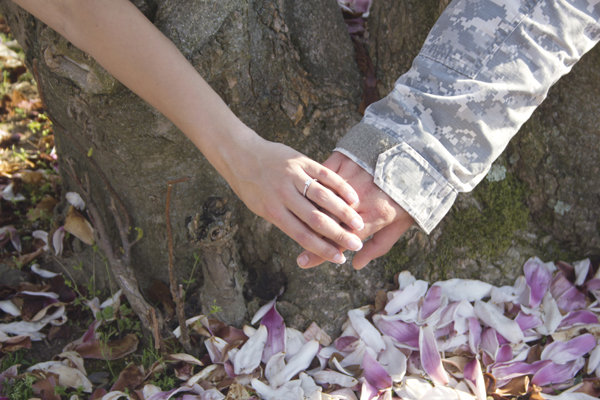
(401,172)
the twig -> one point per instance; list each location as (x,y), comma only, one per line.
(175,290)
(120,262)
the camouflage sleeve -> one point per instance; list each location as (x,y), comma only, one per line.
(484,68)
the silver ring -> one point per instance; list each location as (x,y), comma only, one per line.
(307,183)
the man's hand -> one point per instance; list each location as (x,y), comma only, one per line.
(383,217)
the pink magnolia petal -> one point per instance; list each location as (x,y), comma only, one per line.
(343,342)
(431,302)
(528,321)
(505,353)
(430,356)
(374,373)
(334,378)
(564,352)
(474,376)
(263,311)
(571,300)
(405,333)
(474,335)
(578,317)
(538,276)
(594,360)
(553,373)
(275,333)
(516,369)
(489,342)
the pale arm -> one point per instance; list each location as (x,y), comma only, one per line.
(268,177)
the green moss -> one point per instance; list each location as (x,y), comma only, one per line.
(487,231)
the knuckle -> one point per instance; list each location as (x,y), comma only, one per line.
(321,195)
(323,174)
(316,220)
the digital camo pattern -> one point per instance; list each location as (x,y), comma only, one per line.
(484,68)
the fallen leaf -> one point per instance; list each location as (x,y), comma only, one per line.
(79,227)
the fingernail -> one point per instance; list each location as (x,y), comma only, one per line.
(354,243)
(357,223)
(353,197)
(302,260)
(339,259)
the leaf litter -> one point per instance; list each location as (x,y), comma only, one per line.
(455,339)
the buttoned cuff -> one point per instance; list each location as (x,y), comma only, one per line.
(401,172)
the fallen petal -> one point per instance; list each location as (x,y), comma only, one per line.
(564,352)
(334,378)
(248,358)
(464,289)
(578,317)
(410,294)
(553,373)
(405,333)
(367,332)
(75,200)
(273,321)
(430,356)
(298,363)
(538,276)
(492,317)
(57,240)
(374,373)
(474,376)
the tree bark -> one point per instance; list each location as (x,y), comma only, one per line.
(287,69)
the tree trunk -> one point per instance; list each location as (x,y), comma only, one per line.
(287,69)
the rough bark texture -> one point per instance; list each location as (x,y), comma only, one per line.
(286,68)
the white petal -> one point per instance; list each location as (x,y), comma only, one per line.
(248,357)
(582,268)
(465,289)
(75,200)
(550,315)
(413,389)
(493,317)
(41,235)
(393,360)
(298,363)
(275,364)
(262,311)
(10,308)
(412,293)
(334,378)
(116,395)
(35,268)
(67,376)
(311,390)
(594,360)
(367,332)
(405,278)
(294,340)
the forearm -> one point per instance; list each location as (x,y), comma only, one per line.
(136,53)
(485,67)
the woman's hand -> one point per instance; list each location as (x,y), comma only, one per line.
(384,219)
(270,178)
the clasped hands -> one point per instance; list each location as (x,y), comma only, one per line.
(383,218)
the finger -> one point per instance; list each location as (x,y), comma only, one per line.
(333,205)
(307,238)
(334,161)
(306,259)
(333,181)
(379,244)
(322,224)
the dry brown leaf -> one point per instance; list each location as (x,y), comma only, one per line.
(112,350)
(237,392)
(130,378)
(78,226)
(43,208)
